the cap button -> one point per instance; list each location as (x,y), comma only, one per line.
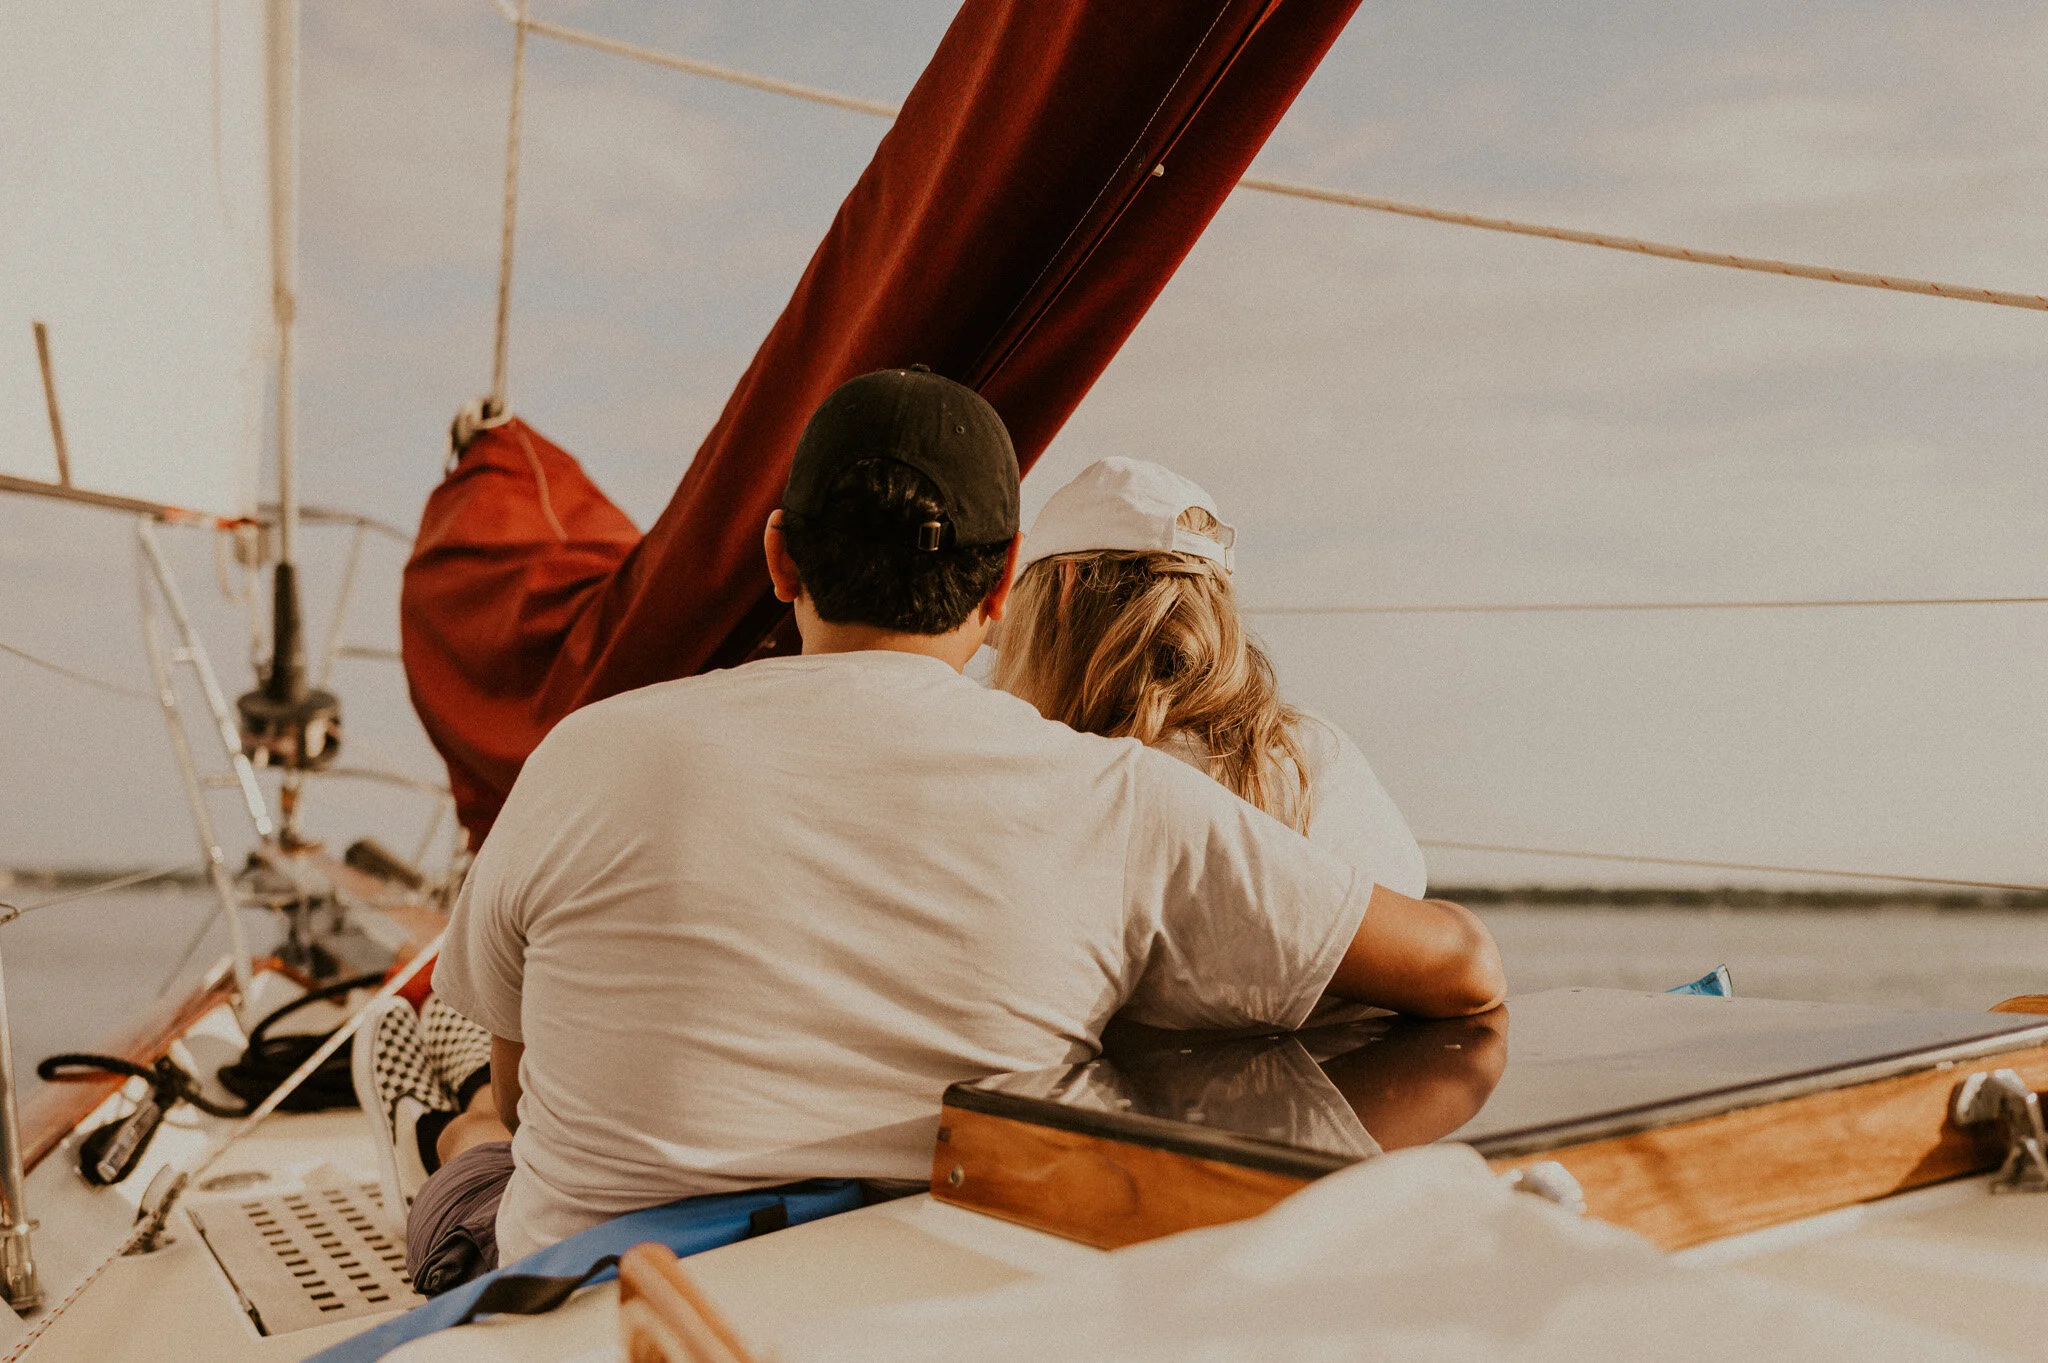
(920,369)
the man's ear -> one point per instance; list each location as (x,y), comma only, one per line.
(998,599)
(781,567)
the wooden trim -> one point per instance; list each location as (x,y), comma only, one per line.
(2023,1003)
(1102,1192)
(1763,1166)
(664,1317)
(57,1109)
(1678,1185)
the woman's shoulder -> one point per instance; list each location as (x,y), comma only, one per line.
(1353,815)
(1323,745)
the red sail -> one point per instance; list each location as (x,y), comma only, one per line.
(1048,173)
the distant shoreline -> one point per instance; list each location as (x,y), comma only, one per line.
(1734,897)
(1742,897)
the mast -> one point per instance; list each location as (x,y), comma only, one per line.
(284,721)
(284,257)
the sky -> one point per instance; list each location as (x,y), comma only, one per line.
(1390,411)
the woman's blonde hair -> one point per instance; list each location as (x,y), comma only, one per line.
(1149,646)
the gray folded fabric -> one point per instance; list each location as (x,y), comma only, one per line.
(451,1234)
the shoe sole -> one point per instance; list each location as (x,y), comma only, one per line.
(362,1070)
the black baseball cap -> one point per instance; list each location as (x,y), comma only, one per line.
(944,430)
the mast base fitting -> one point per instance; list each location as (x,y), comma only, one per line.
(298,735)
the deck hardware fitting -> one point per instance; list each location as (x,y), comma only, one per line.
(153,1213)
(2003,1097)
(955,1176)
(1550,1181)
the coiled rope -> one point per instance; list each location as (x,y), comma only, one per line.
(1287,188)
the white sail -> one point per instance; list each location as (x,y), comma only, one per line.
(135,224)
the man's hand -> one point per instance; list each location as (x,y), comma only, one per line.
(1424,956)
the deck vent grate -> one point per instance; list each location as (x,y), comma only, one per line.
(309,1256)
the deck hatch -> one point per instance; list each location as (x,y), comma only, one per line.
(308,1256)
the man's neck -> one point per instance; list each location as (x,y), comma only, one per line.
(953,648)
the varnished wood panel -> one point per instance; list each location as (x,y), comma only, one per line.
(1101,1192)
(49,1117)
(1762,1166)
(2023,1003)
(1678,1185)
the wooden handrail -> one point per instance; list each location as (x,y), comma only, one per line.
(664,1317)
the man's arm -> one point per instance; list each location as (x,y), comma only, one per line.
(505,1057)
(1424,956)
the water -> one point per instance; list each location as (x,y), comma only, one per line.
(1898,957)
(81,973)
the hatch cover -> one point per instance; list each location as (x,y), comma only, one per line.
(310,1256)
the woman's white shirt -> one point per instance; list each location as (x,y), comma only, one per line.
(1353,817)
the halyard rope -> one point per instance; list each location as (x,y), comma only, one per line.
(1287,188)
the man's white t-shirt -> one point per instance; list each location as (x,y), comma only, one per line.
(750,925)
(1351,814)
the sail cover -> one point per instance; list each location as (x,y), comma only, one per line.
(1053,165)
(135,223)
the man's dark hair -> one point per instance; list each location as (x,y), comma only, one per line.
(859,558)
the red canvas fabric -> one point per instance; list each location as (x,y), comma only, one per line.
(1049,171)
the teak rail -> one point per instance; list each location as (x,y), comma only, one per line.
(1679,1185)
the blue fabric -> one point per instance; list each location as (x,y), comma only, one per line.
(1715,984)
(690,1226)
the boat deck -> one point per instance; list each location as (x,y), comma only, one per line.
(176,1302)
(1951,1256)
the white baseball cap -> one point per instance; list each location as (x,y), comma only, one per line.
(1125,505)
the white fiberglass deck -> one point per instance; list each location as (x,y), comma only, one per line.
(176,1303)
(1952,1258)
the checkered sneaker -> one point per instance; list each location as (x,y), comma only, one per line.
(456,1047)
(398,1064)
(396,1085)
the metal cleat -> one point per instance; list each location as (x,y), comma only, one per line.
(2002,1096)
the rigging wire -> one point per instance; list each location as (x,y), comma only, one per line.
(1663,250)
(710,70)
(1520,608)
(1724,865)
(1285,188)
(10,912)
(132,692)
(525,23)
